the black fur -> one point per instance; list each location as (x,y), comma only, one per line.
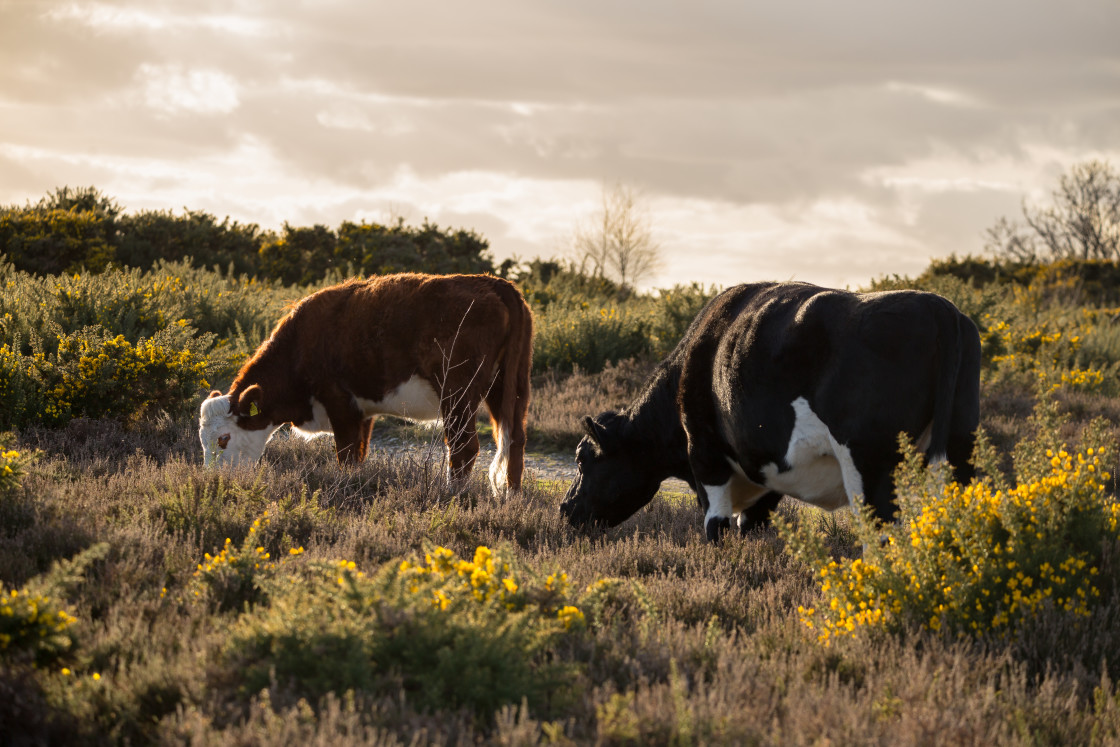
(870,366)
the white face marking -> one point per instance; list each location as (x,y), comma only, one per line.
(216,426)
(414,399)
(821,469)
(319,425)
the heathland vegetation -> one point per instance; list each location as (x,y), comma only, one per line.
(145,599)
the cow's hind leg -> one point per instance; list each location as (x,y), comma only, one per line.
(501,469)
(508,422)
(365,430)
(870,475)
(461,437)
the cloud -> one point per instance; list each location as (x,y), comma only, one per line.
(108,18)
(172,90)
(825,141)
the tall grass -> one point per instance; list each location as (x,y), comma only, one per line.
(317,632)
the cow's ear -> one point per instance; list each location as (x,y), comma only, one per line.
(251,402)
(214,393)
(598,433)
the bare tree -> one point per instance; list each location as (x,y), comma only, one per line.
(1010,240)
(618,241)
(1082,221)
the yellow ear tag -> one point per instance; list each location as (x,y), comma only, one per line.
(253,409)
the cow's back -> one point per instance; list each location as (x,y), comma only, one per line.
(868,365)
(369,336)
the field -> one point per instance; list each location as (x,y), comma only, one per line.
(146,599)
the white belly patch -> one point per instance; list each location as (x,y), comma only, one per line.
(415,399)
(319,425)
(821,469)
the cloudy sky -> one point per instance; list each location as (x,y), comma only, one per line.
(824,141)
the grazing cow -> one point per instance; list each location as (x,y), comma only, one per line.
(788,389)
(418,346)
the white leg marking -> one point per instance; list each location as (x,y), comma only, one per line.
(719,501)
(499,468)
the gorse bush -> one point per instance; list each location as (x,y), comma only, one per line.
(93,375)
(34,626)
(11,469)
(451,632)
(976,560)
(124,342)
(234,577)
(136,304)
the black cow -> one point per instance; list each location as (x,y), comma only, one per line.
(788,389)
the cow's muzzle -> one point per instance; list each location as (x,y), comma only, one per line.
(576,514)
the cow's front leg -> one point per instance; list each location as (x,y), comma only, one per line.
(351,438)
(713,477)
(717,520)
(461,438)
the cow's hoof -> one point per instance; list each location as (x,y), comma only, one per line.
(752,525)
(716,527)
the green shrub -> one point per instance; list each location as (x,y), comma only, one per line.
(451,632)
(84,231)
(51,241)
(122,343)
(672,312)
(235,577)
(137,304)
(149,238)
(588,338)
(34,627)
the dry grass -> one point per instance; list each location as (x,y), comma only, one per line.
(560,401)
(701,646)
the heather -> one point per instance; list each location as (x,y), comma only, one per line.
(146,599)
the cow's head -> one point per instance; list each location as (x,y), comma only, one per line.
(234,428)
(615,477)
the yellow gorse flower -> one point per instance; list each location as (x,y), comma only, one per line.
(485,578)
(977,558)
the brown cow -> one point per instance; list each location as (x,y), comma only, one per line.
(418,346)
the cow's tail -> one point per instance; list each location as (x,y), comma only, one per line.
(509,410)
(956,407)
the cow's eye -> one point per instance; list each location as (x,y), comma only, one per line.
(223,440)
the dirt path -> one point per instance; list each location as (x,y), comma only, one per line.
(545,466)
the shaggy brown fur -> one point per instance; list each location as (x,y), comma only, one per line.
(468,336)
